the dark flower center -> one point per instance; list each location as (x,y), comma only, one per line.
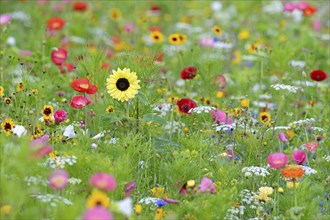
(47,111)
(174,39)
(122,84)
(185,107)
(264,118)
(98,203)
(7,126)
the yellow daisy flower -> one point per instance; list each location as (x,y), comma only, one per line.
(7,126)
(20,87)
(217,30)
(1,92)
(123,84)
(115,13)
(47,111)
(174,39)
(110,109)
(98,198)
(156,36)
(265,118)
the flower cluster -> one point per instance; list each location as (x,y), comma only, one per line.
(51,199)
(292,89)
(256,171)
(60,161)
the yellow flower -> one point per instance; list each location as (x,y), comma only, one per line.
(7,100)
(289,185)
(37,132)
(243,34)
(237,57)
(289,133)
(47,111)
(280,190)
(157,192)
(264,192)
(191,183)
(1,92)
(123,84)
(5,209)
(174,39)
(20,87)
(7,126)
(220,94)
(34,91)
(110,109)
(183,38)
(252,47)
(217,30)
(115,13)
(156,36)
(160,213)
(173,100)
(138,208)
(245,103)
(265,118)
(98,198)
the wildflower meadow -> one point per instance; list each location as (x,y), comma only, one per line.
(162,109)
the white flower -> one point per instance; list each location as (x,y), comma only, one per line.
(11,41)
(69,132)
(74,181)
(309,171)
(94,146)
(19,130)
(298,64)
(99,135)
(52,199)
(292,89)
(300,122)
(216,6)
(257,171)
(126,206)
(326,158)
(35,180)
(148,200)
(201,109)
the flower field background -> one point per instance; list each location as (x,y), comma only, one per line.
(164,109)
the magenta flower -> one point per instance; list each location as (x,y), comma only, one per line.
(97,213)
(58,179)
(40,146)
(221,117)
(59,56)
(299,156)
(277,160)
(168,200)
(183,189)
(80,101)
(207,185)
(282,137)
(129,28)
(289,7)
(26,53)
(302,5)
(103,181)
(222,82)
(129,187)
(311,146)
(59,115)
(5,19)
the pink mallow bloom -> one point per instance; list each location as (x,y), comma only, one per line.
(103,181)
(40,146)
(299,156)
(289,7)
(221,117)
(97,213)
(282,137)
(5,19)
(207,185)
(58,179)
(59,115)
(277,160)
(311,146)
(80,101)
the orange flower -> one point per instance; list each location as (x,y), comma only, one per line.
(55,23)
(293,171)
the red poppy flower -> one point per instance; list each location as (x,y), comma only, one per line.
(318,75)
(309,11)
(185,105)
(80,101)
(59,56)
(83,85)
(80,6)
(66,68)
(189,73)
(55,23)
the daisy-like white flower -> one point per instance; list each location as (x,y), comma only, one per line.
(123,84)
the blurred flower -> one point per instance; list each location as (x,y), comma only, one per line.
(58,179)
(293,171)
(168,200)
(280,190)
(318,75)
(80,6)
(110,109)
(7,126)
(103,181)
(66,67)
(277,160)
(188,73)
(138,209)
(244,103)
(311,146)
(206,41)
(264,192)
(221,117)
(80,101)
(47,111)
(160,203)
(123,84)
(158,192)
(221,81)
(69,132)
(217,30)
(289,7)
(19,130)
(125,206)
(115,13)
(207,185)
(98,198)
(160,213)
(20,87)
(299,156)
(1,92)
(40,146)
(129,28)
(185,105)
(55,23)
(129,187)
(243,34)
(5,210)
(265,118)
(156,36)
(97,212)
(59,115)
(5,19)
(175,39)
(291,184)
(282,137)
(83,85)
(59,56)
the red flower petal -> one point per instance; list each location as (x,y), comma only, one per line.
(55,23)
(59,56)
(185,105)
(189,73)
(318,75)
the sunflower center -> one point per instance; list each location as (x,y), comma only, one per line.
(7,126)
(264,118)
(98,203)
(47,111)
(122,84)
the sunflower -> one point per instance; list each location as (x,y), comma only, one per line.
(7,100)
(265,118)
(47,111)
(110,109)
(123,84)
(36,132)
(217,30)
(156,36)
(20,87)
(1,91)
(98,198)
(7,126)
(183,38)
(174,39)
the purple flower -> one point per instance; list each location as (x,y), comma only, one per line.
(168,200)
(207,185)
(58,179)
(59,115)
(299,156)
(282,137)
(97,212)
(129,187)
(103,181)
(277,160)
(160,203)
(5,19)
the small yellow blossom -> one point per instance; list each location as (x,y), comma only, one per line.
(138,208)
(191,183)
(5,209)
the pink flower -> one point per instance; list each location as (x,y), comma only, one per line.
(59,56)
(79,101)
(302,5)
(207,185)
(97,213)
(168,200)
(26,53)
(129,28)
(316,25)
(206,42)
(103,181)
(128,188)
(5,19)
(277,160)
(59,115)
(311,146)
(183,189)
(289,7)
(221,117)
(58,179)
(299,156)
(222,82)
(40,146)
(282,137)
